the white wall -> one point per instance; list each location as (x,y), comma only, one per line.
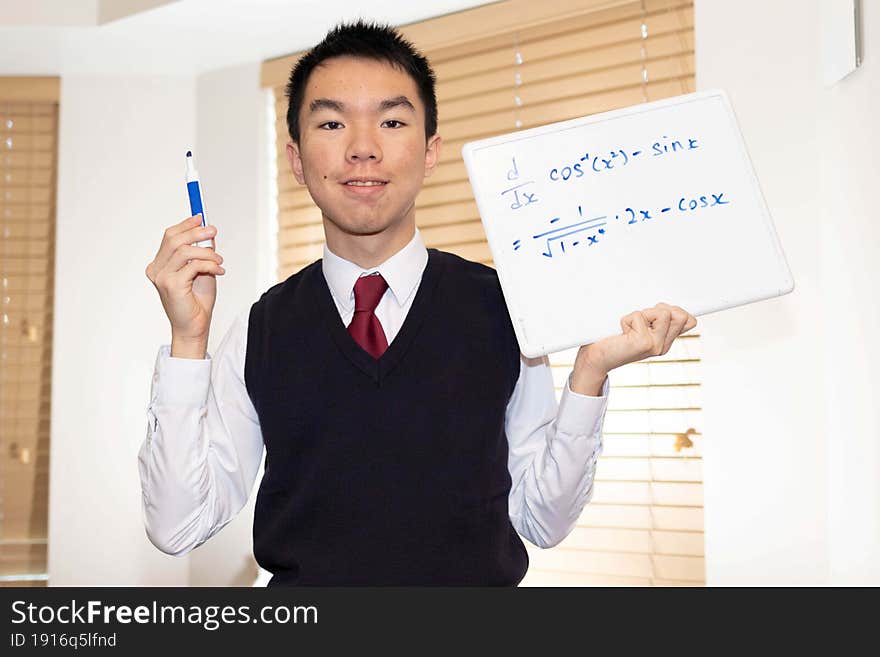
(120,183)
(765,477)
(849,140)
(791,457)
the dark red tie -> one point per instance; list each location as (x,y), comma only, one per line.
(365,327)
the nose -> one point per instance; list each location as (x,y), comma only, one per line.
(363,146)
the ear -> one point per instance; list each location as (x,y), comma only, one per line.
(432,154)
(295,162)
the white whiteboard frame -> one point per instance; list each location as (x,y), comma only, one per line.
(783,285)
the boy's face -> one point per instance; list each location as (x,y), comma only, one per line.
(361,150)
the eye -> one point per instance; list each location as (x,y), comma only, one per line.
(397,124)
(330,125)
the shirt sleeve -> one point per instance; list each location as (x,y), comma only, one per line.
(203,447)
(553,453)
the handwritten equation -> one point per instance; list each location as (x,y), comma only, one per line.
(520,193)
(568,231)
(619,158)
(587,232)
(523,194)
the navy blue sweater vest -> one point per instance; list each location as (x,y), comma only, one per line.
(389,471)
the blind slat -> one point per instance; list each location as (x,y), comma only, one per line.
(619,563)
(11,160)
(27,143)
(647,445)
(14,122)
(32,177)
(648,492)
(641,517)
(635,540)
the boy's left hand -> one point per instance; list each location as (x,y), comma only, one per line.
(647,332)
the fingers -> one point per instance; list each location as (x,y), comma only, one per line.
(187,232)
(655,329)
(681,322)
(184,254)
(659,321)
(636,325)
(634,322)
(195,267)
(176,283)
(671,322)
(186,224)
(649,332)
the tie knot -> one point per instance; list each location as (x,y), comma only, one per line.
(367,292)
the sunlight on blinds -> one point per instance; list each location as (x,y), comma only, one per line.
(27,235)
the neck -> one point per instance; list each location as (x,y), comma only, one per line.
(367,251)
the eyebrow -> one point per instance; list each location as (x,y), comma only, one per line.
(399,101)
(389,103)
(325,103)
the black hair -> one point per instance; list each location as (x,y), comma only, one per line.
(372,41)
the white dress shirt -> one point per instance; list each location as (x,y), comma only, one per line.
(203,447)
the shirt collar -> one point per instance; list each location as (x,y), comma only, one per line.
(402,272)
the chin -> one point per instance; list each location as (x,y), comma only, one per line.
(364,228)
(367,225)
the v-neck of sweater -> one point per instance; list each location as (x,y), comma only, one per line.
(378,369)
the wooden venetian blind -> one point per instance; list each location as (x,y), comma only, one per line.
(28,138)
(515,65)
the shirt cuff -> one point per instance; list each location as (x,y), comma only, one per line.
(581,414)
(181,381)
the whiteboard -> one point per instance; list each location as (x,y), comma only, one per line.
(591,219)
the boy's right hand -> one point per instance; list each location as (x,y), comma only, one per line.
(184,275)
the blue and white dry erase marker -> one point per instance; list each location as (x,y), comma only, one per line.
(194,189)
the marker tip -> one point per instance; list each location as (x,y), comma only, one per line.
(189,153)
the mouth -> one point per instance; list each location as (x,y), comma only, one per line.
(365,182)
(364,186)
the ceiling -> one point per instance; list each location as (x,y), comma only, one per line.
(178,37)
(57,13)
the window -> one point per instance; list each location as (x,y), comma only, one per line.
(28,128)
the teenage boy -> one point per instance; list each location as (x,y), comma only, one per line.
(407,440)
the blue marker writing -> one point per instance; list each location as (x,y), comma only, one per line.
(194,189)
